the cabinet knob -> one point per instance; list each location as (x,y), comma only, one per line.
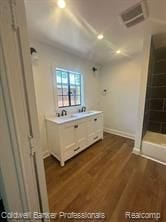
(76,126)
(95,119)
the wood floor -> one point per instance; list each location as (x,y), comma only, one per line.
(107,178)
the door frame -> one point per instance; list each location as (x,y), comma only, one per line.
(21,113)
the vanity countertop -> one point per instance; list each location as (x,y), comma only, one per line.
(73,117)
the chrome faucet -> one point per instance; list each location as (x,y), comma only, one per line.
(64,112)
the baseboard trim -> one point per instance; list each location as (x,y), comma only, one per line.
(137,151)
(46,154)
(119,133)
(153,159)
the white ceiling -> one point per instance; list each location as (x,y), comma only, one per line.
(75,28)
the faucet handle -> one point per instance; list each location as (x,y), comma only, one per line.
(58,114)
(83,108)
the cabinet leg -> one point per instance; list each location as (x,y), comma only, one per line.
(62,163)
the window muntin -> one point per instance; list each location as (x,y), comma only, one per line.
(68,88)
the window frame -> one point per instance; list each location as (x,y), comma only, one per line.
(69,87)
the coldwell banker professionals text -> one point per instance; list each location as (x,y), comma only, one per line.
(59,215)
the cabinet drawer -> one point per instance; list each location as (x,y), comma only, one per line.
(98,122)
(71,152)
(95,137)
(99,135)
(68,153)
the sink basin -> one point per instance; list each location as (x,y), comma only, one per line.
(82,114)
(65,117)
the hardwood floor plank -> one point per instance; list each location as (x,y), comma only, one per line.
(107,178)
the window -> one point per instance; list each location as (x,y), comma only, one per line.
(68,88)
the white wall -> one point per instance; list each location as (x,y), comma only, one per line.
(120,104)
(49,59)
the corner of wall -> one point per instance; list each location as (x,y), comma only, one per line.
(142,90)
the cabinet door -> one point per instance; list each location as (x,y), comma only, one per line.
(98,124)
(68,136)
(95,128)
(82,134)
(91,127)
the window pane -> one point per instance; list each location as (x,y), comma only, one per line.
(59,89)
(72,78)
(78,90)
(64,78)
(65,90)
(75,91)
(60,102)
(58,76)
(72,90)
(78,79)
(78,100)
(65,101)
(75,100)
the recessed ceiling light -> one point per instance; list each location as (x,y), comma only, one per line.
(61,3)
(118,51)
(100,36)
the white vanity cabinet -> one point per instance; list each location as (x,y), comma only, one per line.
(68,138)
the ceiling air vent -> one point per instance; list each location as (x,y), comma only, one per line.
(135,14)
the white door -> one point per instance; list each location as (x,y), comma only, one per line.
(19,97)
(8,168)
